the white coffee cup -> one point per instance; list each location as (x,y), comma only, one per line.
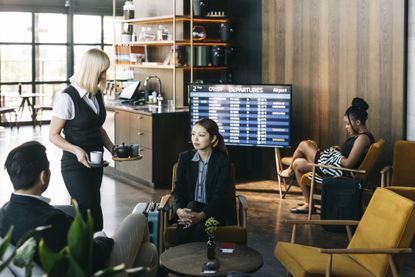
(135,148)
(96,157)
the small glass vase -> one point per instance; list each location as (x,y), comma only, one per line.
(211,249)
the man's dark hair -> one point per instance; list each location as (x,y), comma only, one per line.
(25,163)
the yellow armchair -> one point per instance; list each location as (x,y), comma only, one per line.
(383,232)
(401,173)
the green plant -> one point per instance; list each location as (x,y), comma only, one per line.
(75,259)
(24,252)
(211,225)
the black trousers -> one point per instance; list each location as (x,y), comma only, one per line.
(194,233)
(84,184)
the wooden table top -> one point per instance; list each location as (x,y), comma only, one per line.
(188,260)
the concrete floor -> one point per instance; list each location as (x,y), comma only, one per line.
(265,215)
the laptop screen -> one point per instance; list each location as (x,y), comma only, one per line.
(129,89)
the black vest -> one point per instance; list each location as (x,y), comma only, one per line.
(84,129)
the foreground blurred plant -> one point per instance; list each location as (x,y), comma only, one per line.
(24,252)
(75,259)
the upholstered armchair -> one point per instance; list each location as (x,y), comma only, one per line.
(383,232)
(233,233)
(362,173)
(401,173)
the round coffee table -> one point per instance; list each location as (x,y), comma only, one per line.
(188,260)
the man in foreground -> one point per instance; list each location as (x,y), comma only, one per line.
(28,168)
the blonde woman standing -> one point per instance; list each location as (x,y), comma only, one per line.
(79,114)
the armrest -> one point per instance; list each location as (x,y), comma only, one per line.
(367,251)
(339,168)
(243,201)
(323,222)
(346,223)
(385,175)
(164,200)
(386,169)
(242,211)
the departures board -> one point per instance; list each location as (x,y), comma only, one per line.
(251,115)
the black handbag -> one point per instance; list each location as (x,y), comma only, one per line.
(341,199)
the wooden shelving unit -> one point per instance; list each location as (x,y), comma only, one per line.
(176,25)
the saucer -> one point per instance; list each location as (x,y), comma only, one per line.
(102,164)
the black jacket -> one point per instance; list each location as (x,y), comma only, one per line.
(26,213)
(220,191)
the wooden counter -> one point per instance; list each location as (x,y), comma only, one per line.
(161,133)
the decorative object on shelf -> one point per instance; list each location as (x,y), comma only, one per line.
(162,33)
(125,38)
(180,55)
(199,32)
(198,5)
(128,9)
(211,225)
(228,55)
(217,53)
(225,30)
(201,56)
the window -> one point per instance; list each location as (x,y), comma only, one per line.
(50,27)
(51,63)
(16,63)
(15,27)
(39,60)
(87,29)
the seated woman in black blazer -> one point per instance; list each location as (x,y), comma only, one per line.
(202,186)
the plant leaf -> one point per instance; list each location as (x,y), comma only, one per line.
(89,237)
(75,269)
(76,238)
(48,258)
(60,268)
(6,241)
(110,271)
(25,253)
(6,262)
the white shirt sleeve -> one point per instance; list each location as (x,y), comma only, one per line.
(64,107)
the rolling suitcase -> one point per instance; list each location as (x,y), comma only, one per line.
(341,198)
(151,211)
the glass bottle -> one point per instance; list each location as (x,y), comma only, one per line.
(128,9)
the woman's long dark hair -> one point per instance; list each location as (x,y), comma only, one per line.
(213,130)
(357,111)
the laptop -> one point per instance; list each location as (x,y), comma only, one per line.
(130,90)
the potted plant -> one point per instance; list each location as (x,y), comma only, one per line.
(211,225)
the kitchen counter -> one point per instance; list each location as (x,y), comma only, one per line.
(143,109)
(162,133)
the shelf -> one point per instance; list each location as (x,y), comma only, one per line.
(148,43)
(154,66)
(170,18)
(150,66)
(171,43)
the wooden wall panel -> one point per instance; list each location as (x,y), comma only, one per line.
(332,51)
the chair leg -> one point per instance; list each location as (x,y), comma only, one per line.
(310,201)
(279,185)
(288,188)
